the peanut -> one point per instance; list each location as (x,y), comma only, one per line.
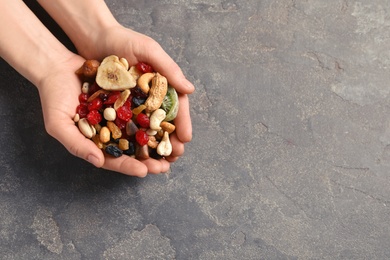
(156,93)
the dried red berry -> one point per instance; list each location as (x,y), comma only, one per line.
(93,88)
(143,120)
(83,97)
(112,97)
(82,110)
(95,104)
(124,113)
(143,67)
(141,137)
(120,123)
(94,117)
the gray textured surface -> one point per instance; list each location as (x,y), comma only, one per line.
(290,156)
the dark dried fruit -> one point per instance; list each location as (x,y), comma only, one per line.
(113,150)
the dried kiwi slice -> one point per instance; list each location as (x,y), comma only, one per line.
(170,104)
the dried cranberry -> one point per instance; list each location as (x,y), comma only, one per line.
(143,120)
(120,123)
(141,137)
(112,97)
(124,113)
(95,104)
(93,88)
(94,117)
(82,110)
(143,67)
(83,97)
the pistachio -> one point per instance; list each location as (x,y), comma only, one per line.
(85,128)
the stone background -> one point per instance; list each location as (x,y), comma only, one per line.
(290,156)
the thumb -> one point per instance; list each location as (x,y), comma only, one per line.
(78,145)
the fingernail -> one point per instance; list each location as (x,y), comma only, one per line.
(94,160)
(188,85)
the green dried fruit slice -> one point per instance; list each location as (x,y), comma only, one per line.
(170,104)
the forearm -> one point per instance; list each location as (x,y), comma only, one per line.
(25,43)
(82,20)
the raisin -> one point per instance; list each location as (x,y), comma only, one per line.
(131,150)
(113,150)
(137,101)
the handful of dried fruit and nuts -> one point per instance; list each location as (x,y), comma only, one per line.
(126,110)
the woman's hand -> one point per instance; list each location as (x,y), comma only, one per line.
(59,92)
(136,47)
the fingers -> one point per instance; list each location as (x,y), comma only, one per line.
(152,53)
(183,120)
(126,165)
(77,144)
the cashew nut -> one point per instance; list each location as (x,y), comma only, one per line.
(164,148)
(152,142)
(144,80)
(156,93)
(156,118)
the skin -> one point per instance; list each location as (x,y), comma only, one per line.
(96,34)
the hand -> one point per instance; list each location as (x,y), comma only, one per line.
(59,92)
(136,47)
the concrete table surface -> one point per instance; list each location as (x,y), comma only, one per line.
(290,157)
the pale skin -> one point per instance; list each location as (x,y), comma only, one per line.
(29,47)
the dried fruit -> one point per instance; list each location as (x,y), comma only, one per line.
(143,67)
(143,120)
(141,137)
(113,150)
(112,75)
(170,104)
(94,117)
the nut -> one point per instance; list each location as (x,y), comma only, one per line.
(112,75)
(164,148)
(156,118)
(109,114)
(168,127)
(156,93)
(142,152)
(85,128)
(144,81)
(131,128)
(104,134)
(85,88)
(152,142)
(89,68)
(76,118)
(151,132)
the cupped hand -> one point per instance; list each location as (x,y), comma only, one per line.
(59,92)
(136,47)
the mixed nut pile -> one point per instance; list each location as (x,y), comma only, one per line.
(126,110)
